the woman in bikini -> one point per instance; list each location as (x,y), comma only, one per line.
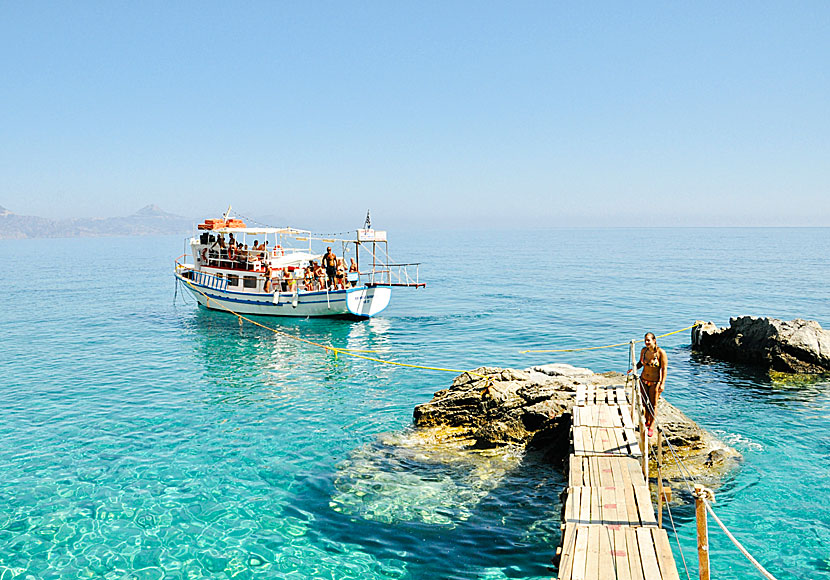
(654,363)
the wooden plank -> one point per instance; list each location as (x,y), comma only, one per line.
(668,568)
(566,558)
(616,467)
(574,470)
(592,562)
(604,470)
(635,567)
(588,434)
(580,395)
(628,491)
(635,473)
(585,506)
(633,442)
(644,507)
(648,556)
(610,508)
(595,474)
(579,444)
(571,500)
(606,556)
(618,441)
(627,423)
(620,553)
(596,514)
(580,553)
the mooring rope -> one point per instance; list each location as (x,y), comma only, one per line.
(606,345)
(334,349)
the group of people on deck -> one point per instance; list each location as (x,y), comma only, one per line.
(231,253)
(332,273)
(314,276)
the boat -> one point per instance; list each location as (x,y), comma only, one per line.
(277,271)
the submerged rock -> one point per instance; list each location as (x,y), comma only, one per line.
(491,407)
(797,346)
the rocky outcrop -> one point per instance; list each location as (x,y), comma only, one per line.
(494,407)
(797,346)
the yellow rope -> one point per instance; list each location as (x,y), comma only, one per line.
(334,349)
(353,352)
(607,345)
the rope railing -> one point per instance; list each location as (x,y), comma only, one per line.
(702,495)
(740,547)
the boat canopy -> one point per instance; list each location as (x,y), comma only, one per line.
(294,259)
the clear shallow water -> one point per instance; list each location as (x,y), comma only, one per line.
(147,438)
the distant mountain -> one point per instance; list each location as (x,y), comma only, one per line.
(148,221)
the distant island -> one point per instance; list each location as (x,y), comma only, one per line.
(148,221)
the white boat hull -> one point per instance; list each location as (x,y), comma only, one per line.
(360,302)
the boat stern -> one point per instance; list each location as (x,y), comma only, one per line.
(367,301)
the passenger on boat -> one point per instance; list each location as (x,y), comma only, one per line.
(319,276)
(268,274)
(290,282)
(654,362)
(308,278)
(217,248)
(330,262)
(353,276)
(341,274)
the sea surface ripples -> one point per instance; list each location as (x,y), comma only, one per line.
(144,437)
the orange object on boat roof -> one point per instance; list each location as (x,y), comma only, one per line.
(215,224)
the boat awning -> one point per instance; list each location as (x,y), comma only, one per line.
(294,259)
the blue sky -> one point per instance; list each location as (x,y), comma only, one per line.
(429,113)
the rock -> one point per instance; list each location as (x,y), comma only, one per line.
(797,346)
(532,409)
(562,369)
(703,455)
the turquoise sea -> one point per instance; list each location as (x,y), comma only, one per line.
(144,437)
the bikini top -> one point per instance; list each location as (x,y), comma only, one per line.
(655,361)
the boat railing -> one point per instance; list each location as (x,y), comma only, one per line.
(202,278)
(396,275)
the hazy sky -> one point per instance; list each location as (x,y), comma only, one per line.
(548,113)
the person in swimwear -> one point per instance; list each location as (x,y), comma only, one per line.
(330,262)
(654,363)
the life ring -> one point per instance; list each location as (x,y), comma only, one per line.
(204,254)
(231,252)
(278,251)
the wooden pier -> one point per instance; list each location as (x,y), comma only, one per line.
(610,529)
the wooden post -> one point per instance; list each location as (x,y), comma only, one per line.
(659,477)
(702,533)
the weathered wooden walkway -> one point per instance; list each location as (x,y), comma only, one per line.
(610,530)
